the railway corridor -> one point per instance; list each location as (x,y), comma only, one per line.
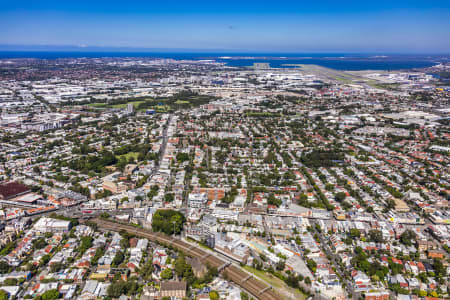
(252,285)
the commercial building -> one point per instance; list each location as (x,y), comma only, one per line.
(173,289)
(52,225)
(9,190)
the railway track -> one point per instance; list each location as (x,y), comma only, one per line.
(252,285)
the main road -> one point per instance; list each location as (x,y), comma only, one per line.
(335,258)
(253,286)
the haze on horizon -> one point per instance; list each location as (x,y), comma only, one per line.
(263,26)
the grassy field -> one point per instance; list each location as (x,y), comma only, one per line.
(97,105)
(387,86)
(159,104)
(158,108)
(135,104)
(279,285)
(181,102)
(128,155)
(123,105)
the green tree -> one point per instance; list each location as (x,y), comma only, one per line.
(44,260)
(98,254)
(164,220)
(146,270)
(329,187)
(213,295)
(104,215)
(181,157)
(169,197)
(180,266)
(116,289)
(166,274)
(3,295)
(118,259)
(311,264)
(244,296)
(39,243)
(376,236)
(7,248)
(355,233)
(56,267)
(86,243)
(408,237)
(280,265)
(339,197)
(272,200)
(422,293)
(439,268)
(292,281)
(50,295)
(390,204)
(4,267)
(10,281)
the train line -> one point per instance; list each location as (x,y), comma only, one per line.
(249,283)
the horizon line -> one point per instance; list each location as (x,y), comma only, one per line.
(100,49)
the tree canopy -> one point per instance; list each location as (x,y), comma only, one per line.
(3,295)
(408,237)
(4,267)
(164,219)
(166,274)
(322,158)
(50,295)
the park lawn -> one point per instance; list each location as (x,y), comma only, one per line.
(278,284)
(97,104)
(157,108)
(106,105)
(162,108)
(124,105)
(128,155)
(182,102)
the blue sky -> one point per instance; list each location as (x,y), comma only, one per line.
(264,26)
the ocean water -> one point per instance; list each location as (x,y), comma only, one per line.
(351,64)
(338,61)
